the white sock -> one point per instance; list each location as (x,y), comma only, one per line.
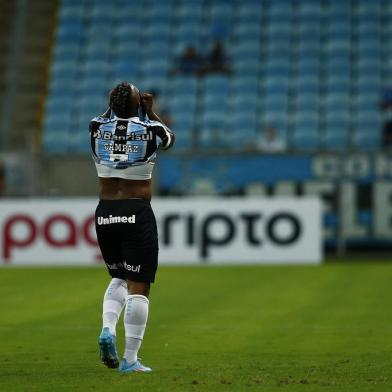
(135,320)
(113,303)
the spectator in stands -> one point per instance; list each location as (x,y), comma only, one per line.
(270,141)
(386,106)
(216,61)
(160,109)
(190,62)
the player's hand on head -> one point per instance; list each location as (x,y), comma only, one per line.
(146,101)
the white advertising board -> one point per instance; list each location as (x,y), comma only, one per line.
(191,230)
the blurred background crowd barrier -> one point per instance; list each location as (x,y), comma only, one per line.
(267,98)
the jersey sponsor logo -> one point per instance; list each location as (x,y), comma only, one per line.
(115,219)
(121,127)
(133,136)
(132,268)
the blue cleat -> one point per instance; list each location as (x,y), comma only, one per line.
(107,347)
(126,367)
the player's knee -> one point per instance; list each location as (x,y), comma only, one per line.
(138,288)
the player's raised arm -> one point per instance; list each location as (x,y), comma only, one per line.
(164,133)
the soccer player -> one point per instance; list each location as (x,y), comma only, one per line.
(124,143)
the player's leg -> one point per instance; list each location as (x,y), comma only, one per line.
(140,250)
(116,293)
(135,321)
(113,304)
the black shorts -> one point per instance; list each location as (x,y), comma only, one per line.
(128,238)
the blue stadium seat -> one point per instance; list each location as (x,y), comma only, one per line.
(369,48)
(244,127)
(156,50)
(369,9)
(183,121)
(244,85)
(307,84)
(308,27)
(245,31)
(57,119)
(367,101)
(64,69)
(124,50)
(275,103)
(214,101)
(216,83)
(338,84)
(276,119)
(156,66)
(157,82)
(281,29)
(189,12)
(308,66)
(90,86)
(183,104)
(184,139)
(338,118)
(339,30)
(55,143)
(367,120)
(221,11)
(275,34)
(252,14)
(70,31)
(211,138)
(309,47)
(306,141)
(243,67)
(274,86)
(79,139)
(186,84)
(212,120)
(336,139)
(158,30)
(246,51)
(307,101)
(57,106)
(338,67)
(71,12)
(66,53)
(367,141)
(127,32)
(159,13)
(369,85)
(280,11)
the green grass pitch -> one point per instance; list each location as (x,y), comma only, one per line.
(326,328)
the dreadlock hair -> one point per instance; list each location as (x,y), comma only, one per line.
(120,100)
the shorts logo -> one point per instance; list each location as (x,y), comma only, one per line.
(116,219)
(132,268)
(114,266)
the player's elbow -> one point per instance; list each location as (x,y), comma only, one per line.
(171,137)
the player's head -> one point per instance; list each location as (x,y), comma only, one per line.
(124,100)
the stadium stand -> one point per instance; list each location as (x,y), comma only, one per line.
(314,70)
(24,55)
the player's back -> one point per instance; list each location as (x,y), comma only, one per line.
(126,147)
